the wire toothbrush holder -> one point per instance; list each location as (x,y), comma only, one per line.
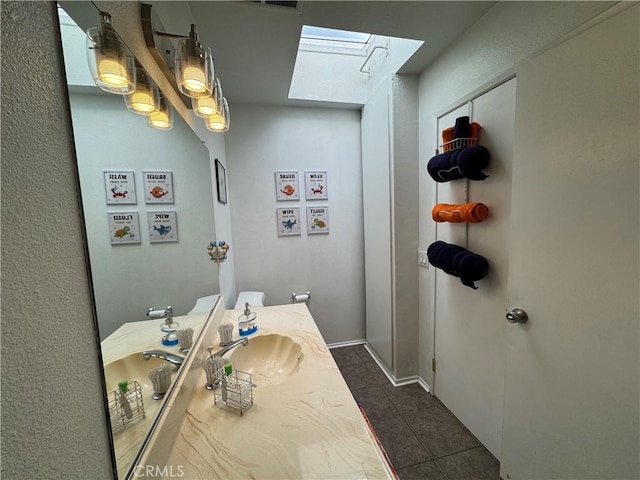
(119,415)
(234,390)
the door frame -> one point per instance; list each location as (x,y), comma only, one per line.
(504,77)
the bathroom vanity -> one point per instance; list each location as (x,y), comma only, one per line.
(304,421)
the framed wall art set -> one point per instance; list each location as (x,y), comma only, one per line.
(124,226)
(287,185)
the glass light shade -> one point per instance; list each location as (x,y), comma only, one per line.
(146,98)
(219,122)
(194,67)
(163,118)
(111,63)
(207,106)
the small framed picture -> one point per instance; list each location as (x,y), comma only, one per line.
(158,186)
(163,226)
(317,220)
(123,227)
(287,185)
(221,179)
(120,187)
(288,221)
(315,185)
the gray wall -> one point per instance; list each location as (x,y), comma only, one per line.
(405,223)
(331,266)
(53,422)
(129,279)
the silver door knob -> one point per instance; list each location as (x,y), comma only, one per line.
(517,315)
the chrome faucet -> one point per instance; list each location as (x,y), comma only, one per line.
(229,346)
(169,357)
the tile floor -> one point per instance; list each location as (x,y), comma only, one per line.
(422,438)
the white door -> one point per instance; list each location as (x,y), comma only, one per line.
(469,349)
(571,403)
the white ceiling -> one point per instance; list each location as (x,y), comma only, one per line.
(255,45)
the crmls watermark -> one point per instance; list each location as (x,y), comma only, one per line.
(156,471)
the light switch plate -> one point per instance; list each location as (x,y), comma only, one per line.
(423,259)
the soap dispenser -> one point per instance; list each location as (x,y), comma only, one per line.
(168,327)
(247,322)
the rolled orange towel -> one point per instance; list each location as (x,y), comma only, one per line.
(469,212)
(447,136)
(475,129)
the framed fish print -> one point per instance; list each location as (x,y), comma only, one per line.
(123,227)
(163,226)
(317,220)
(158,186)
(287,185)
(120,187)
(315,185)
(288,221)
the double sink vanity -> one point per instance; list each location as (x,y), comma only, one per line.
(303,423)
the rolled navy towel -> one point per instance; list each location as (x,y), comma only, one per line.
(461,163)
(442,254)
(462,128)
(442,169)
(471,161)
(459,262)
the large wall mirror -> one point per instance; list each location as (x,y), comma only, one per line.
(152,262)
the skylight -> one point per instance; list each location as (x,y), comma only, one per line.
(328,40)
(337,66)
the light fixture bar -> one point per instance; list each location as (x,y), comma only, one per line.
(148,19)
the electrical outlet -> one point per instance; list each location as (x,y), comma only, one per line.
(423,259)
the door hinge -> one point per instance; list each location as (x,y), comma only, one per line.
(433,364)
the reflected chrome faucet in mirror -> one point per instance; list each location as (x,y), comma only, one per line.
(172,358)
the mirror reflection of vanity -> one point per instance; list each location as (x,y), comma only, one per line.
(150,263)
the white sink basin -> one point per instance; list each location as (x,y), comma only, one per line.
(270,359)
(130,368)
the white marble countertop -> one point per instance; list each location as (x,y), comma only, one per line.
(145,335)
(308,427)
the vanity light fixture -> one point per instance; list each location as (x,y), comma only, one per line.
(219,122)
(188,67)
(162,119)
(145,100)
(111,63)
(207,106)
(194,67)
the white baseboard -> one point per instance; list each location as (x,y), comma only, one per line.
(424,384)
(396,382)
(350,343)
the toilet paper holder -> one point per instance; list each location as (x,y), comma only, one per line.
(300,297)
